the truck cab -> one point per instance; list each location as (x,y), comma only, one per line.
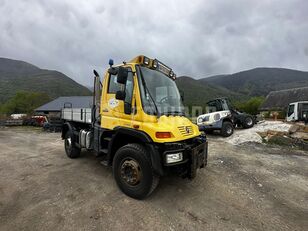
(137,126)
(298,111)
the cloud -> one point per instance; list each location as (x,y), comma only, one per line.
(196,38)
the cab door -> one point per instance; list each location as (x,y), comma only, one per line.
(291,115)
(118,112)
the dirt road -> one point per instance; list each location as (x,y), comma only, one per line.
(247,187)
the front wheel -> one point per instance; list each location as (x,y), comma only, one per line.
(133,171)
(227,129)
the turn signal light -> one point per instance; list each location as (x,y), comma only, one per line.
(163,135)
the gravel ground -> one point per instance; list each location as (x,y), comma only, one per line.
(244,187)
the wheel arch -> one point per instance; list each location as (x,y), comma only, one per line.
(123,136)
(228,119)
(65,128)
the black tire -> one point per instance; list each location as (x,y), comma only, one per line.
(227,129)
(143,181)
(248,122)
(70,148)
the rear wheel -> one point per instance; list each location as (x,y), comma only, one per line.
(227,129)
(72,151)
(133,171)
(248,122)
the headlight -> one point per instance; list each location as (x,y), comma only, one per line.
(174,157)
(200,120)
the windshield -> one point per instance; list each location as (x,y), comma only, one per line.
(159,93)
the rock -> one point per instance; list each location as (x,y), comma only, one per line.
(294,128)
(276,133)
(303,128)
(280,140)
(300,135)
(262,134)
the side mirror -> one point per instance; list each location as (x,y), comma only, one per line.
(95,73)
(122,75)
(120,95)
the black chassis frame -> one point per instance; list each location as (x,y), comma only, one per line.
(239,117)
(194,150)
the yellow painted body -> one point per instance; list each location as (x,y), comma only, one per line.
(112,114)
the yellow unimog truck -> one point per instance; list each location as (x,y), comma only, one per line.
(136,125)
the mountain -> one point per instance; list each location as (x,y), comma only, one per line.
(197,93)
(17,75)
(259,81)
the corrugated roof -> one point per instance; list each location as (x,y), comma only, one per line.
(279,100)
(58,104)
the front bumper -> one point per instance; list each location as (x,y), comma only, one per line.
(198,159)
(194,156)
(212,126)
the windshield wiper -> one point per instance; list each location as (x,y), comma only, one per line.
(146,90)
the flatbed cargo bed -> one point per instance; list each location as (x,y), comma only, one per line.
(81,115)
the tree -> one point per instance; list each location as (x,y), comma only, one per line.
(251,106)
(24,102)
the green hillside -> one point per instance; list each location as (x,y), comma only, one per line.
(197,94)
(21,76)
(260,81)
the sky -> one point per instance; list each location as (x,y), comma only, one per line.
(195,38)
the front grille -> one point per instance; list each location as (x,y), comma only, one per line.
(186,130)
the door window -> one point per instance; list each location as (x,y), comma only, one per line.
(129,94)
(291,110)
(113,85)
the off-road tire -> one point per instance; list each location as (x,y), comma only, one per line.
(148,181)
(248,122)
(72,151)
(227,129)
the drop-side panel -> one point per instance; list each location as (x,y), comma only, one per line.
(82,115)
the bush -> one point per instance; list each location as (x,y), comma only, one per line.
(24,102)
(251,106)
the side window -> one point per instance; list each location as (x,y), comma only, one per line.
(129,88)
(224,105)
(211,107)
(113,85)
(291,110)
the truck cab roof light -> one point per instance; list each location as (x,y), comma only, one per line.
(155,64)
(172,75)
(146,60)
